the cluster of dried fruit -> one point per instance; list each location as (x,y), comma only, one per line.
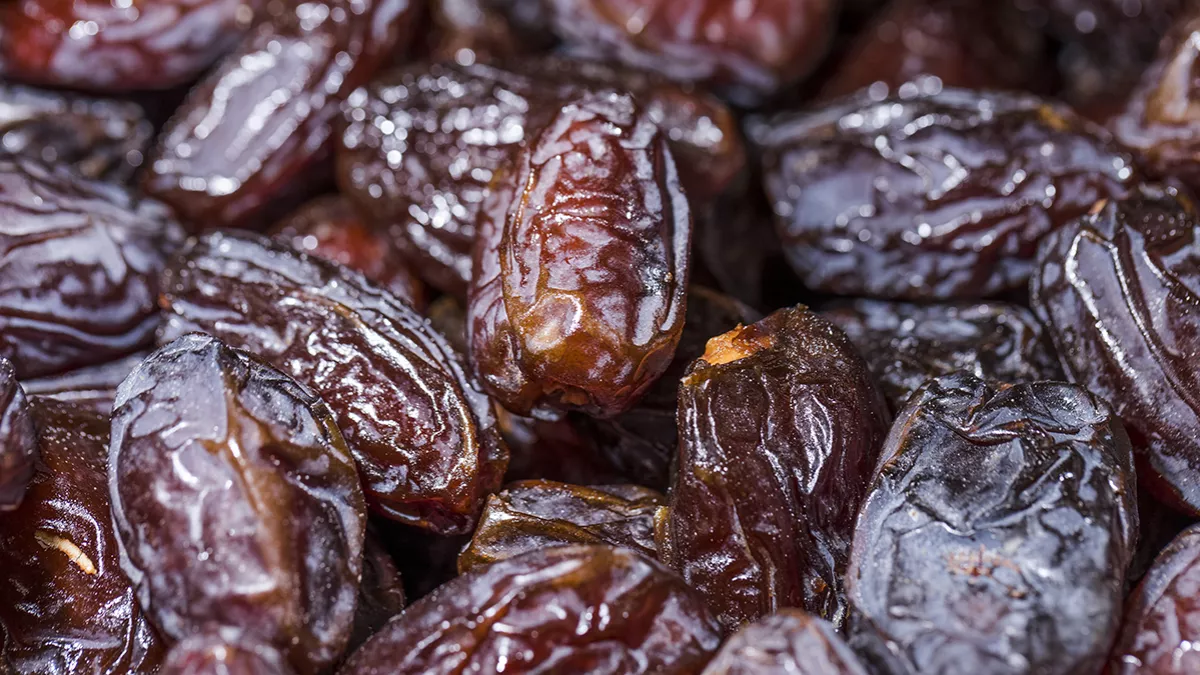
(701,337)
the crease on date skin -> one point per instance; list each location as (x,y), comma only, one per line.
(788,642)
(997,532)
(236,501)
(779,428)
(18,440)
(570,609)
(93,387)
(421,431)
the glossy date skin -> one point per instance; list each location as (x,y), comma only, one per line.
(18,439)
(91,387)
(581,264)
(108,47)
(422,433)
(102,139)
(536,514)
(944,194)
(1116,291)
(779,428)
(224,652)
(65,605)
(790,642)
(254,133)
(906,344)
(541,612)
(747,51)
(236,501)
(996,533)
(79,266)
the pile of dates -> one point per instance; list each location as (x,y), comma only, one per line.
(679,337)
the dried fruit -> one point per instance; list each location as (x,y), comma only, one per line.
(791,642)
(18,439)
(381,593)
(224,652)
(91,387)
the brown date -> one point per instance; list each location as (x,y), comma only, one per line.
(779,428)
(1117,291)
(422,433)
(380,594)
(18,439)
(91,387)
(569,609)
(223,652)
(236,501)
(115,46)
(535,514)
(581,264)
(790,642)
(65,605)
(944,194)
(254,134)
(470,31)
(79,266)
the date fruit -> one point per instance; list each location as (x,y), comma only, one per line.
(65,605)
(791,642)
(18,439)
(254,133)
(381,593)
(996,533)
(938,195)
(569,609)
(536,514)
(224,652)
(906,344)
(79,267)
(91,387)
(779,428)
(581,264)
(420,429)
(236,501)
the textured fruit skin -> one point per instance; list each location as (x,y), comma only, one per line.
(906,344)
(420,429)
(18,439)
(79,267)
(581,264)
(568,609)
(380,594)
(1160,620)
(224,652)
(257,131)
(99,138)
(996,533)
(779,429)
(65,605)
(789,642)
(746,51)
(102,46)
(534,514)
(236,501)
(91,387)
(943,194)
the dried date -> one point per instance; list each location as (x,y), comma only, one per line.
(779,427)
(996,533)
(79,267)
(938,195)
(18,439)
(422,433)
(91,387)
(380,594)
(65,605)
(570,609)
(224,652)
(536,514)
(791,642)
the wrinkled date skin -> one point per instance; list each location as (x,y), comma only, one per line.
(906,344)
(1117,291)
(1161,620)
(996,533)
(236,501)
(79,267)
(748,51)
(100,138)
(571,609)
(254,133)
(65,605)
(779,428)
(791,642)
(331,228)
(420,429)
(18,439)
(381,593)
(942,195)
(582,263)
(224,652)
(536,514)
(91,387)
(107,46)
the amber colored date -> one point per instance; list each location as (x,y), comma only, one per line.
(252,135)
(790,642)
(223,652)
(536,514)
(779,428)
(65,605)
(570,609)
(18,439)
(422,433)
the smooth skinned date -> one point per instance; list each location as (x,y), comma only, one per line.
(790,642)
(18,439)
